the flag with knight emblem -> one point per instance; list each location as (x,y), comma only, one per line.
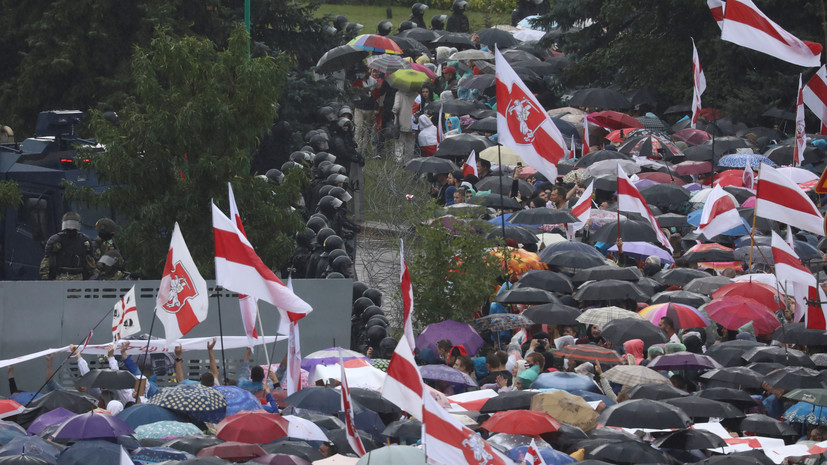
(125,317)
(182,296)
(523,124)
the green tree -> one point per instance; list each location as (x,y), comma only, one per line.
(9,196)
(189,128)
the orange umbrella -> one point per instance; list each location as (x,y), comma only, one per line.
(519,260)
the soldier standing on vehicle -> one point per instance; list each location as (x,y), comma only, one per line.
(108,259)
(68,254)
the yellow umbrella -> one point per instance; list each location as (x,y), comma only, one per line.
(509,157)
(566,408)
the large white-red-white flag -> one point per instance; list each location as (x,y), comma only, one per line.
(523,124)
(699,82)
(294,353)
(779,198)
(125,317)
(532,455)
(247,304)
(585,149)
(238,268)
(800,127)
(815,96)
(744,24)
(582,210)
(790,271)
(407,296)
(470,165)
(720,214)
(350,422)
(717,7)
(182,300)
(629,199)
(447,442)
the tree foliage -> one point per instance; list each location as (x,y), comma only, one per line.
(9,196)
(188,130)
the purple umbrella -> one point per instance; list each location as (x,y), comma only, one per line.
(643,250)
(92,426)
(458,333)
(329,356)
(54,417)
(446,373)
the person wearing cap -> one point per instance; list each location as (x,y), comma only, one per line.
(447,80)
(68,254)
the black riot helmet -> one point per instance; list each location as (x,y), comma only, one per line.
(405,25)
(342,265)
(319,142)
(323,234)
(288,165)
(322,157)
(340,22)
(375,295)
(274,175)
(340,193)
(316,224)
(438,22)
(418,9)
(328,204)
(353,28)
(325,190)
(327,114)
(384,28)
(336,179)
(301,157)
(376,334)
(333,242)
(358,288)
(334,254)
(305,238)
(371,311)
(459,6)
(381,320)
(361,304)
(335,275)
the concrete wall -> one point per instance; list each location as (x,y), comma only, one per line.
(36,315)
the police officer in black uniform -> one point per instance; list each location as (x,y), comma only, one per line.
(68,255)
(418,14)
(458,22)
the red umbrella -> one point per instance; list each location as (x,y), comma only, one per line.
(257,427)
(683,315)
(692,136)
(233,451)
(527,422)
(614,120)
(9,408)
(763,293)
(618,135)
(734,312)
(693,167)
(661,177)
(280,459)
(730,178)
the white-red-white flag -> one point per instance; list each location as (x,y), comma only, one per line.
(815,96)
(572,149)
(532,455)
(403,384)
(585,149)
(350,422)
(719,215)
(440,132)
(247,304)
(407,296)
(470,165)
(523,124)
(629,199)
(790,271)
(717,7)
(779,198)
(238,268)
(800,127)
(816,317)
(125,317)
(447,442)
(182,300)
(699,81)
(294,353)
(744,24)
(748,178)
(582,210)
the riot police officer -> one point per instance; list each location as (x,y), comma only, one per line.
(418,14)
(68,255)
(108,259)
(458,22)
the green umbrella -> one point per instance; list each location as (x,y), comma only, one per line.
(408,80)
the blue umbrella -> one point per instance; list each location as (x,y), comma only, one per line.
(238,399)
(564,381)
(144,414)
(54,417)
(367,420)
(159,454)
(24,398)
(86,452)
(8,425)
(6,435)
(694,218)
(803,412)
(590,396)
(550,455)
(32,446)
(740,160)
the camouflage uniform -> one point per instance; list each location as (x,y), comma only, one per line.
(68,255)
(108,259)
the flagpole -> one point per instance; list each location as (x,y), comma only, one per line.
(54,372)
(261,329)
(221,331)
(146,353)
(502,213)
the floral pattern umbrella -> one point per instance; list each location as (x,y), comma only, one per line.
(501,322)
(166,429)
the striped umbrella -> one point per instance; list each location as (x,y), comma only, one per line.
(376,43)
(684,316)
(387,63)
(589,353)
(632,375)
(602,315)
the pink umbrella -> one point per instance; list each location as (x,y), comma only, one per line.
(750,202)
(692,136)
(424,69)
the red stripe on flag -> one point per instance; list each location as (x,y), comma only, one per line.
(784,197)
(230,248)
(721,206)
(819,88)
(581,208)
(738,12)
(815,312)
(402,371)
(781,256)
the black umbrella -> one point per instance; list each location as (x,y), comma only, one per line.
(580,247)
(410,46)
(483,113)
(327,422)
(625,329)
(656,391)
(797,333)
(457,40)
(526,295)
(193,443)
(496,201)
(73,401)
(541,68)
(607,99)
(373,400)
(699,407)
(736,397)
(542,215)
(775,112)
(568,130)
(571,259)
(789,378)
(783,154)
(701,152)
(484,125)
(408,428)
(710,255)
(706,285)
(463,107)
(418,34)
(729,353)
(789,357)
(546,280)
(316,398)
(610,289)
(461,145)
(111,379)
(751,457)
(24,459)
(600,155)
(339,438)
(736,377)
(765,368)
(687,439)
(341,57)
(631,453)
(513,400)
(649,286)
(502,185)
(552,314)
(492,36)
(670,197)
(294,447)
(630,231)
(602,272)
(679,276)
(670,220)
(521,234)
(430,165)
(764,425)
(643,96)
(644,413)
(680,297)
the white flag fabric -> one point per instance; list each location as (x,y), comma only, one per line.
(582,210)
(238,268)
(745,25)
(748,178)
(124,458)
(800,127)
(523,124)
(585,149)
(815,96)
(629,199)
(403,385)
(470,166)
(247,304)
(720,214)
(350,422)
(788,267)
(294,353)
(780,199)
(125,317)
(699,81)
(407,296)
(717,7)
(182,300)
